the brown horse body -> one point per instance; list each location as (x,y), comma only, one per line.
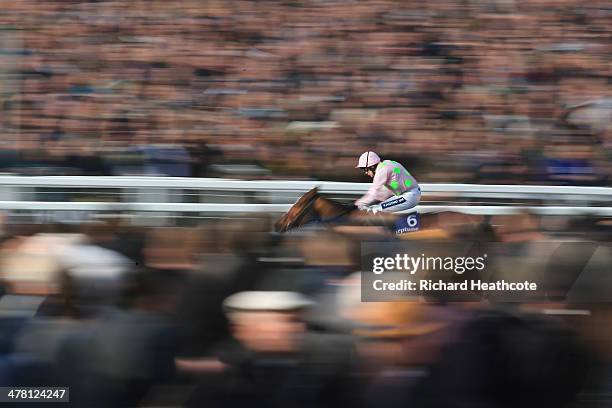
(314,207)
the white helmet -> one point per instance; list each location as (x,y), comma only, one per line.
(368,159)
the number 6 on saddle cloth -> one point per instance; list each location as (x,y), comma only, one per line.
(408,223)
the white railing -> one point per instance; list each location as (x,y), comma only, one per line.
(166,194)
(280,208)
(217,184)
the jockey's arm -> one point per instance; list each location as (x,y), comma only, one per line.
(377,191)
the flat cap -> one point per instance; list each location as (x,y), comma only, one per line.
(266,301)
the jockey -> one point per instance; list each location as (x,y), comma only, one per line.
(393,187)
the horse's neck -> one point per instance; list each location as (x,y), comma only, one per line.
(328,208)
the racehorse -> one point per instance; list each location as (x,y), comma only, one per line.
(313,207)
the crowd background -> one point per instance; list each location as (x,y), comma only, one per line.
(229,314)
(459,91)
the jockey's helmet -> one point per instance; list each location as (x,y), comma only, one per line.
(368,159)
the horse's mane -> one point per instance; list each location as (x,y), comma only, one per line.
(339,205)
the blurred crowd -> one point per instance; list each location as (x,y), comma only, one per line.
(458,91)
(227,314)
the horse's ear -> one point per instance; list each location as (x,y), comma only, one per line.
(313,191)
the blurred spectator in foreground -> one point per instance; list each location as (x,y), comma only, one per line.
(276,360)
(190,324)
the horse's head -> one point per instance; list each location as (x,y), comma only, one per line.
(300,213)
